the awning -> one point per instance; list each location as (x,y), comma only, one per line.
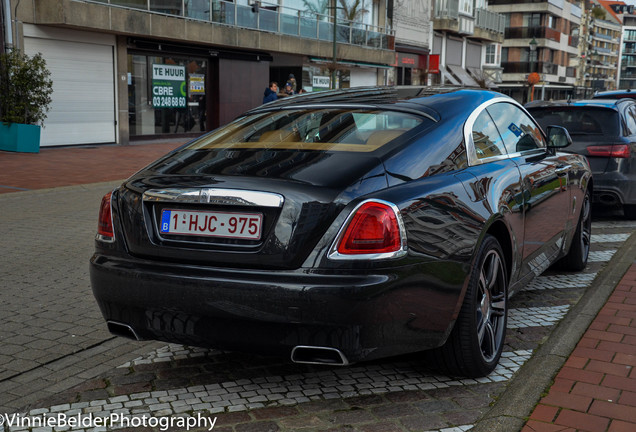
(463,75)
(349,63)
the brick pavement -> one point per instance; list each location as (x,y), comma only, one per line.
(596,388)
(65,166)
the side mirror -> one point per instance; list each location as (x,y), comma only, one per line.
(558,137)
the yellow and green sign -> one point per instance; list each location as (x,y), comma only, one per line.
(168,86)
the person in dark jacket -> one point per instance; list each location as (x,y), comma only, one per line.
(271,93)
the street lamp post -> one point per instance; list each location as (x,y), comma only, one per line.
(531,76)
(335,44)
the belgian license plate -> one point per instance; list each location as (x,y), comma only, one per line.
(245,226)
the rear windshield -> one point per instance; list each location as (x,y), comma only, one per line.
(357,130)
(579,120)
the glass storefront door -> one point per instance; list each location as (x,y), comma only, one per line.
(166,95)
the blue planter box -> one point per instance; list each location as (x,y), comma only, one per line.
(20,137)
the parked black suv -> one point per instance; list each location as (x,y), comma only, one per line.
(604,130)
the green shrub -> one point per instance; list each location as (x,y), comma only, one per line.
(25,88)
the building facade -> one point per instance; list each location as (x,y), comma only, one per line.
(542,38)
(140,69)
(411,21)
(600,47)
(466,44)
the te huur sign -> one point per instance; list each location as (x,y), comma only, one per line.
(168,86)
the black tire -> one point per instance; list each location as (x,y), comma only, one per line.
(576,259)
(629,211)
(474,347)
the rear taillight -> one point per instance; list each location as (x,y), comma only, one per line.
(105,223)
(374,230)
(613,151)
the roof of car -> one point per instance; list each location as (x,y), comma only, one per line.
(429,99)
(599,103)
(625,93)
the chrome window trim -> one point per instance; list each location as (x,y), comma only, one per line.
(333,250)
(232,197)
(471,153)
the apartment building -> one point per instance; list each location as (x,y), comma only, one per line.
(411,21)
(600,47)
(141,69)
(541,37)
(466,46)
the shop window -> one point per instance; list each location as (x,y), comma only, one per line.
(166,95)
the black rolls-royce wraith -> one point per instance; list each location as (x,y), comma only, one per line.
(343,226)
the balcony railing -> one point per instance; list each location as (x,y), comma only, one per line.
(527,67)
(270,17)
(532,32)
(447,9)
(490,20)
(603,36)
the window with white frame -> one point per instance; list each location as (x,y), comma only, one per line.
(493,55)
(466,7)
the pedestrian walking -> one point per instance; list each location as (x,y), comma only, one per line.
(292,80)
(271,93)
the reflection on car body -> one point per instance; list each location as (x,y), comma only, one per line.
(377,225)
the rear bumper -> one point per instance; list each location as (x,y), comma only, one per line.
(363,315)
(614,188)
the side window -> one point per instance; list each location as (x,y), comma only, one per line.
(486,137)
(517,129)
(630,120)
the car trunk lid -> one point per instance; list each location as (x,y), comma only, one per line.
(256,221)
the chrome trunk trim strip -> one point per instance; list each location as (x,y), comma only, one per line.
(215,196)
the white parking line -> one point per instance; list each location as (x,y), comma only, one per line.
(536,316)
(453,429)
(613,224)
(245,394)
(609,238)
(573,280)
(601,256)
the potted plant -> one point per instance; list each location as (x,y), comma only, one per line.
(25,96)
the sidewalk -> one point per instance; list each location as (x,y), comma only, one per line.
(66,166)
(594,390)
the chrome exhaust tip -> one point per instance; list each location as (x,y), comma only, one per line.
(123,330)
(305,354)
(609,199)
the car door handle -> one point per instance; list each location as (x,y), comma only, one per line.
(562,170)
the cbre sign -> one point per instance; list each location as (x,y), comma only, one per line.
(168,86)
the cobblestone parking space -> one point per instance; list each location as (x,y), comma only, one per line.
(130,381)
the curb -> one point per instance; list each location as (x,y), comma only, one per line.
(513,407)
